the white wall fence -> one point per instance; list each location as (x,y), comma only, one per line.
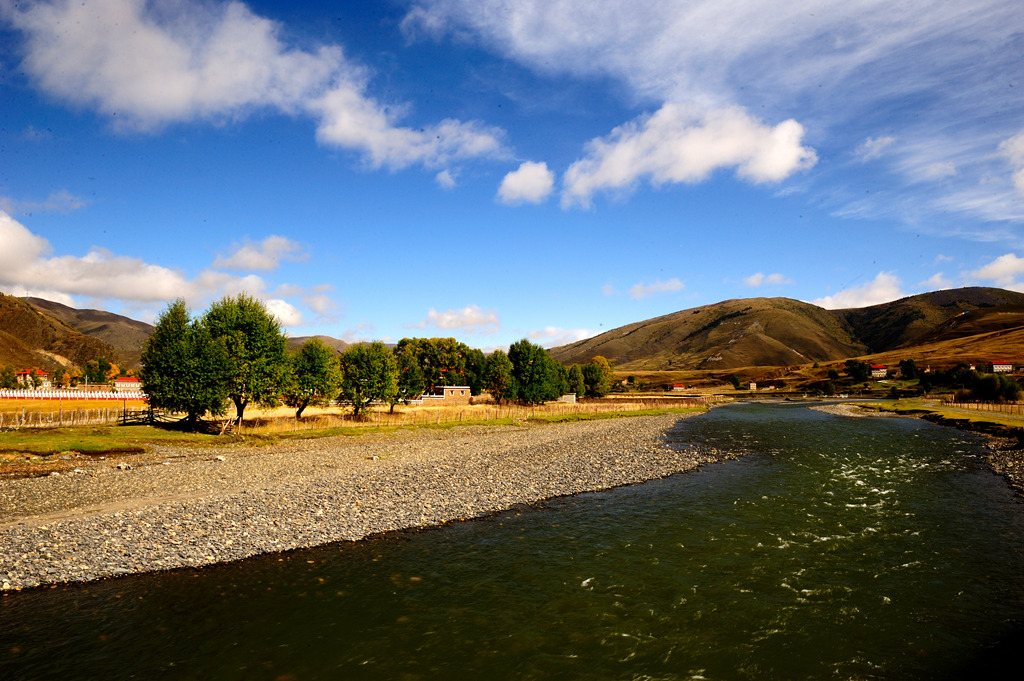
(6,394)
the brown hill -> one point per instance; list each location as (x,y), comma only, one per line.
(910,320)
(127,336)
(33,339)
(296,342)
(730,334)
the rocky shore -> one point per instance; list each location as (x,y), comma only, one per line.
(177,508)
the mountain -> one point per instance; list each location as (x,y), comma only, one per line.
(785,332)
(32,339)
(127,336)
(908,320)
(726,335)
(296,342)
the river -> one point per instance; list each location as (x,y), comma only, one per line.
(836,548)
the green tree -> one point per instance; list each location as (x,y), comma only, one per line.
(576,382)
(536,377)
(598,376)
(369,372)
(314,376)
(735,380)
(908,369)
(476,369)
(500,382)
(8,377)
(857,370)
(257,364)
(410,378)
(182,366)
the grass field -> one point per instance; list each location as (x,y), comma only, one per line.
(30,445)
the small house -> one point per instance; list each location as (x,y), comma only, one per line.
(878,371)
(125,383)
(999,367)
(450,394)
(25,379)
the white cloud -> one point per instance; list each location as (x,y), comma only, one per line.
(61,201)
(554,336)
(641,290)
(943,258)
(1012,150)
(471,319)
(445,179)
(530,183)
(883,288)
(264,256)
(1004,270)
(936,282)
(761,279)
(873,147)
(150,64)
(608,289)
(285,312)
(28,268)
(681,144)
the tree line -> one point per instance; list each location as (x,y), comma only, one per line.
(236,353)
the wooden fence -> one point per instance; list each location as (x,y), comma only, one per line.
(1010,408)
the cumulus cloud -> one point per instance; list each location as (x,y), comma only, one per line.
(471,319)
(1003,271)
(28,267)
(682,144)
(150,64)
(1012,150)
(61,201)
(530,183)
(883,288)
(641,290)
(264,256)
(873,147)
(761,279)
(554,336)
(285,312)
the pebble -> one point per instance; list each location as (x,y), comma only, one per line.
(176,510)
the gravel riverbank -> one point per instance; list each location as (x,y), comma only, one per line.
(184,508)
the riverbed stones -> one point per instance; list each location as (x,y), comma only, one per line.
(184,508)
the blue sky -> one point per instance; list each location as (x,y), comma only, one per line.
(494,170)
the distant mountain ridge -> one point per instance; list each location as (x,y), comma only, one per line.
(787,332)
(127,336)
(33,339)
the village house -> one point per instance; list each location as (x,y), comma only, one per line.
(999,367)
(25,379)
(450,394)
(878,371)
(126,383)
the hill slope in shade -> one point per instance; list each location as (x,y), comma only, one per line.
(127,336)
(898,324)
(730,334)
(33,339)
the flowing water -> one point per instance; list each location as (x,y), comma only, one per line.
(836,549)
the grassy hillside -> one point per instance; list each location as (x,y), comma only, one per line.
(909,320)
(733,333)
(126,336)
(33,339)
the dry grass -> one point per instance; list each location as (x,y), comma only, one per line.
(16,413)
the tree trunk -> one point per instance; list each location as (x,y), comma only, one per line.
(239,407)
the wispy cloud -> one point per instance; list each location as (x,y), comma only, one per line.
(61,201)
(760,279)
(641,290)
(555,336)
(883,288)
(873,147)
